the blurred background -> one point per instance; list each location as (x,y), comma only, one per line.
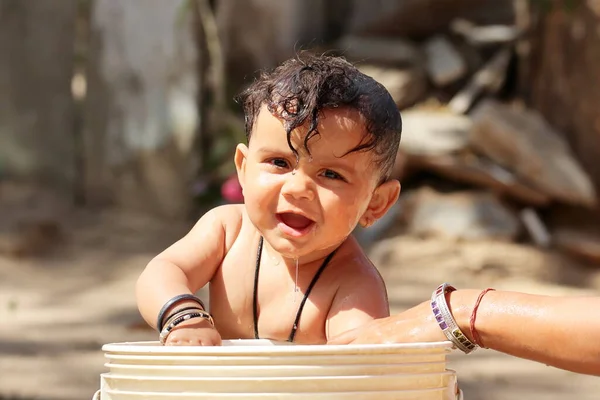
(118,126)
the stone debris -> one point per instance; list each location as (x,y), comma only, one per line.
(406,85)
(488,79)
(485,35)
(496,165)
(444,64)
(384,50)
(469,215)
(434,133)
(524,142)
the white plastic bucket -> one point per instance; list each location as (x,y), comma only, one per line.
(251,369)
(304,384)
(251,360)
(272,370)
(431,394)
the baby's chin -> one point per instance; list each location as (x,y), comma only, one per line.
(303,251)
(290,249)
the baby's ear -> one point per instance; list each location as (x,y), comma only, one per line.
(240,157)
(384,197)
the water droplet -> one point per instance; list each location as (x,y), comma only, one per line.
(274,259)
(296,290)
(296,283)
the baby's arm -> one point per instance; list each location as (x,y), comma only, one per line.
(361,297)
(185,267)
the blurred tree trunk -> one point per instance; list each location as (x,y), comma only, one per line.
(36,105)
(141,112)
(565,78)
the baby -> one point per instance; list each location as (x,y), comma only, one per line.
(322,140)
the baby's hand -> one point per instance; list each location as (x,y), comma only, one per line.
(194,332)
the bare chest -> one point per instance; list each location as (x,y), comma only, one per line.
(282,306)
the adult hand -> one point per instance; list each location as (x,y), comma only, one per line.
(414,325)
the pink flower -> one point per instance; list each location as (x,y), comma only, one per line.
(231,190)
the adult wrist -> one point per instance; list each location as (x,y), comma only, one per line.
(461,303)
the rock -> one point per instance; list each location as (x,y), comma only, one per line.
(422,18)
(535,227)
(477,170)
(426,132)
(576,231)
(444,64)
(524,143)
(474,58)
(488,79)
(485,35)
(407,86)
(397,52)
(578,243)
(460,215)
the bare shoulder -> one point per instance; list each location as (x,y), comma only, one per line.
(356,269)
(361,294)
(230,217)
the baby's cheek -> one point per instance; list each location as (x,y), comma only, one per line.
(344,221)
(254,194)
(266,181)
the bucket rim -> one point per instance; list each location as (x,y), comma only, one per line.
(268,347)
(268,379)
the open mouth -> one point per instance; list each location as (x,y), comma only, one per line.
(294,224)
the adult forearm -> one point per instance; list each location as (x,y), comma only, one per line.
(560,331)
(158,283)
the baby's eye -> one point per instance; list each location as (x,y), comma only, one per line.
(329,174)
(279,162)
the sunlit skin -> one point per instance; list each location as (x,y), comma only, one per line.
(328,186)
(305,207)
(558,331)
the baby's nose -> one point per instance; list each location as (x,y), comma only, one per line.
(298,185)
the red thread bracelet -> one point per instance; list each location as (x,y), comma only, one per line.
(474,333)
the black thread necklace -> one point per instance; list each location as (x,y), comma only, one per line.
(300,308)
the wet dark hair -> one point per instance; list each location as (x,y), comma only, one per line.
(301,88)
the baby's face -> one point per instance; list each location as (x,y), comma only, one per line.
(314,204)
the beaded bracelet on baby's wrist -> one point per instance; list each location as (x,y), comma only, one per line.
(181,316)
(446,321)
(160,321)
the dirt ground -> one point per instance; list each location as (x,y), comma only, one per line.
(58,309)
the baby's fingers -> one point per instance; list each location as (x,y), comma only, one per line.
(211,338)
(194,337)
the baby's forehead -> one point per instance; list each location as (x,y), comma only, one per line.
(330,121)
(339,131)
(329,143)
